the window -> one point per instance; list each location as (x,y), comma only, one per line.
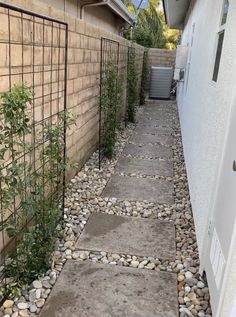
(218,55)
(225,12)
(220,41)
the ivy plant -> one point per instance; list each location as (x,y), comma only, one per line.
(132,99)
(144,79)
(110,105)
(32,183)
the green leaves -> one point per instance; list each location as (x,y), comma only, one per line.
(131,86)
(110,103)
(144,80)
(32,179)
(14,109)
(151,29)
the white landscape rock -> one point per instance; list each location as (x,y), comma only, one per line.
(37,284)
(22,305)
(83,197)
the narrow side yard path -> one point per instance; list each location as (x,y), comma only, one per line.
(130,246)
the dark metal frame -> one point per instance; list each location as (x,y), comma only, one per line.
(110,51)
(56,85)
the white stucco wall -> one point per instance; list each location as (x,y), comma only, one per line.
(205,115)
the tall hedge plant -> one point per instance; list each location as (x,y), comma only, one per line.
(110,105)
(32,173)
(145,78)
(132,98)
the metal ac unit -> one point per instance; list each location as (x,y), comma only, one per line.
(160,82)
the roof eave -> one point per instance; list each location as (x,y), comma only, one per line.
(120,9)
(175,12)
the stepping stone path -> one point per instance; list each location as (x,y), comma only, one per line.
(144,173)
(142,167)
(126,235)
(96,290)
(133,189)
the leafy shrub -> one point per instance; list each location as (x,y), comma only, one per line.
(144,80)
(31,196)
(110,104)
(131,86)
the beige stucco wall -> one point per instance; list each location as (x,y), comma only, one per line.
(100,16)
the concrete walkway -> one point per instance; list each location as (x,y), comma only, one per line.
(143,173)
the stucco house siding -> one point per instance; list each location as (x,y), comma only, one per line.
(100,16)
(205,110)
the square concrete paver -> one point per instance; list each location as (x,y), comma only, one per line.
(148,150)
(139,189)
(153,130)
(149,138)
(86,289)
(144,167)
(127,235)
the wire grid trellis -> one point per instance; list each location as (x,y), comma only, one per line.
(35,48)
(109,56)
(130,59)
(123,72)
(144,78)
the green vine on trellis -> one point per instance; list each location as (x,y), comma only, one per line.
(110,105)
(144,79)
(132,99)
(31,197)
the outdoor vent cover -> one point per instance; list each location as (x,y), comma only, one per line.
(160,83)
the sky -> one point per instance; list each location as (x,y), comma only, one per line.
(144,3)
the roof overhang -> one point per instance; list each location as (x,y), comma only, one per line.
(120,9)
(175,12)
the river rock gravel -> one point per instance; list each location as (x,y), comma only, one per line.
(83,198)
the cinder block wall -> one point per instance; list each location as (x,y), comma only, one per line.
(83,85)
(161,57)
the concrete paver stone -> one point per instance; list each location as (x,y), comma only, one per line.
(128,235)
(86,289)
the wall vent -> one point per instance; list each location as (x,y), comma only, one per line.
(217,258)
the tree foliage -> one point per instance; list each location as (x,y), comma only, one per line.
(151,29)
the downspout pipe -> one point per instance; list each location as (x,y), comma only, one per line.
(104,2)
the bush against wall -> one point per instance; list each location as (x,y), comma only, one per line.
(32,173)
(110,105)
(132,99)
(144,79)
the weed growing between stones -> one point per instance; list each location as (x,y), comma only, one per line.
(32,173)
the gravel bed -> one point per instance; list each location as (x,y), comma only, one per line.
(83,198)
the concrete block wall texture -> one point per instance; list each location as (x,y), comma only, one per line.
(83,75)
(162,57)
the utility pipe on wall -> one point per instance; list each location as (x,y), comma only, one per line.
(104,2)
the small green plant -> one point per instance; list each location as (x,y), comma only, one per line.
(31,196)
(131,86)
(110,104)
(144,80)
